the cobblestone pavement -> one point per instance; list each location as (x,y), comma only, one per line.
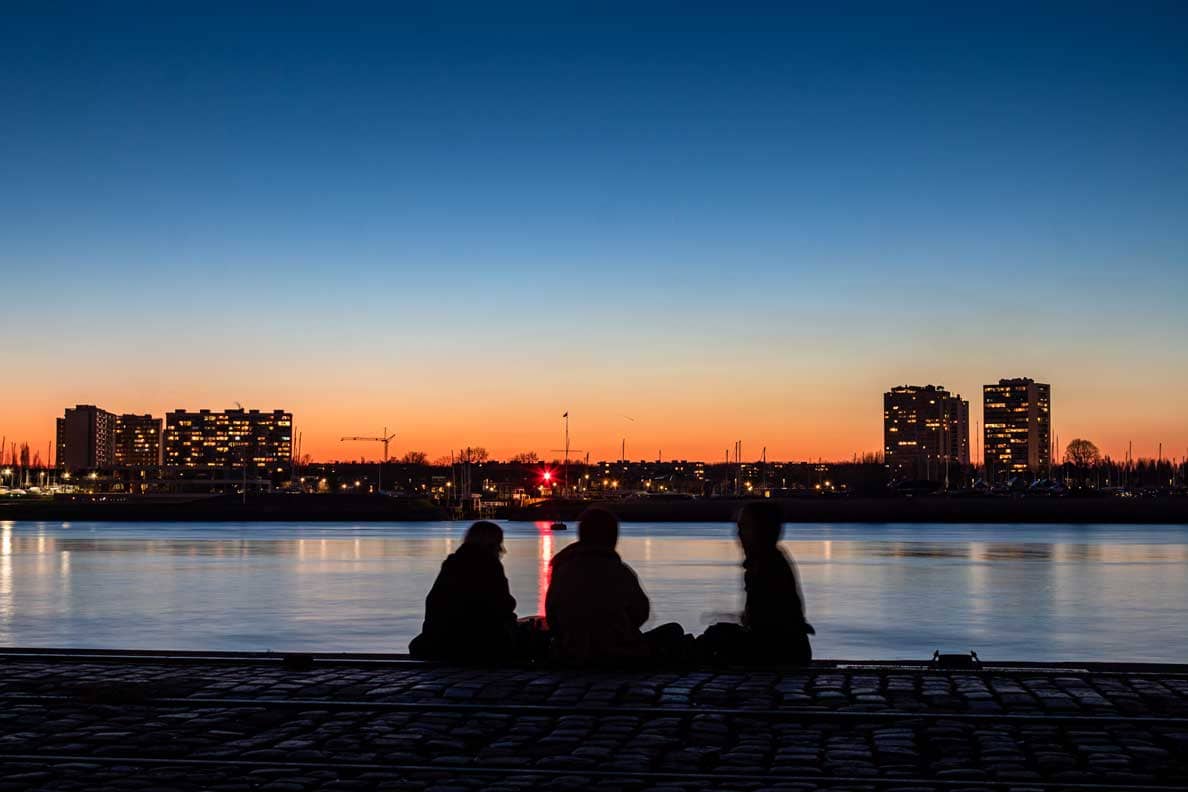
(154,725)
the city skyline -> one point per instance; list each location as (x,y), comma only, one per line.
(964,435)
(726,226)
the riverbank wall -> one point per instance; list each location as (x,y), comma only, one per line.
(928,509)
(368,509)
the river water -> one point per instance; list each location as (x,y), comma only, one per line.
(1025,592)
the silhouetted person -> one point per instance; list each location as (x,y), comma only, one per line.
(773,629)
(595,605)
(470,614)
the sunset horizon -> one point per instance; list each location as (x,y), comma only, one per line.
(849,427)
(728,226)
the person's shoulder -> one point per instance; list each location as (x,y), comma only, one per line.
(472,557)
(767,563)
(564,555)
(627,569)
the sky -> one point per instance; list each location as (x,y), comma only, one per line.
(686,226)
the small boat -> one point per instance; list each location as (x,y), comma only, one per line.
(558,526)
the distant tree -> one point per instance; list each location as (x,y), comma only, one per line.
(414,458)
(526,458)
(1081,453)
(475,454)
(445,460)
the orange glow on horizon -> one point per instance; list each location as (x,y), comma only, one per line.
(697,421)
(320,442)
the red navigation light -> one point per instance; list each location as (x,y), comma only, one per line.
(548,476)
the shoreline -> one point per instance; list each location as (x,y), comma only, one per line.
(394,660)
(367,509)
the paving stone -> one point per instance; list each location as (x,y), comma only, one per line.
(568,743)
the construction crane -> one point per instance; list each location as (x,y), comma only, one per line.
(385,439)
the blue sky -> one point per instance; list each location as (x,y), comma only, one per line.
(809,201)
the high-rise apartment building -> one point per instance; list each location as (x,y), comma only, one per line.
(137,441)
(1018,429)
(86,438)
(228,439)
(925,432)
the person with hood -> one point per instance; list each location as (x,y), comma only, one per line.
(470,614)
(595,606)
(773,629)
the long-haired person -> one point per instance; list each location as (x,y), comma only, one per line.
(470,614)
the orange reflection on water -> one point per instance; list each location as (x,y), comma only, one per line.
(6,605)
(544,571)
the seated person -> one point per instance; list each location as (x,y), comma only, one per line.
(773,628)
(595,606)
(470,614)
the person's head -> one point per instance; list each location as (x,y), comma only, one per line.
(486,535)
(598,527)
(760,524)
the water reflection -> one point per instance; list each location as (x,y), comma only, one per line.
(872,591)
(545,570)
(5,580)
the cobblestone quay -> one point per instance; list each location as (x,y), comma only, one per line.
(220,722)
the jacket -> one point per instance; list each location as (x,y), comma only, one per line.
(774,610)
(470,612)
(595,606)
